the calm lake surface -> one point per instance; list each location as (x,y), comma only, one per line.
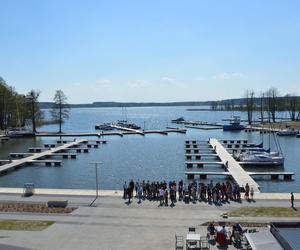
(149,157)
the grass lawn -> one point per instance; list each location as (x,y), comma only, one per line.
(24,225)
(265,212)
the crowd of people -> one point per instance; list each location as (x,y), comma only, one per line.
(170,192)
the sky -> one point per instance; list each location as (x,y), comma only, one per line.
(141,51)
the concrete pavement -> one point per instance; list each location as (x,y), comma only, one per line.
(112,224)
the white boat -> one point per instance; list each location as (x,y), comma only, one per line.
(288,132)
(261,158)
(104,126)
(18,133)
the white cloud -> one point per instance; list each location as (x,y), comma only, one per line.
(227,76)
(103,82)
(139,84)
(167,79)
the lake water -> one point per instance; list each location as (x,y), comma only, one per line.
(149,157)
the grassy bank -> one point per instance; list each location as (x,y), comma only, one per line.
(282,125)
(24,225)
(265,212)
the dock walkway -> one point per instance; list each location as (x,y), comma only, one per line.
(233,167)
(37,156)
(135,131)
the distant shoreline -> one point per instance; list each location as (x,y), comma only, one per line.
(49,105)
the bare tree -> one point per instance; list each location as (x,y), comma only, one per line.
(272,101)
(292,105)
(262,106)
(35,114)
(61,109)
(250,104)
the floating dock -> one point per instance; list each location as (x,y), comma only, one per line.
(233,167)
(125,131)
(273,175)
(198,123)
(261,130)
(221,150)
(134,131)
(30,158)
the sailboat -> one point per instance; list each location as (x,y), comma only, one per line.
(124,121)
(263,157)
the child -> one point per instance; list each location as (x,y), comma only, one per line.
(251,193)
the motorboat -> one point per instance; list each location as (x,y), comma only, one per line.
(178,120)
(288,132)
(18,133)
(234,124)
(261,158)
(104,126)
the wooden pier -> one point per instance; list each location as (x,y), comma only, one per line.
(31,158)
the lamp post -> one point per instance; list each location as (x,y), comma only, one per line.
(96,163)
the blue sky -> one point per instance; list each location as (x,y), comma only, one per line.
(150,50)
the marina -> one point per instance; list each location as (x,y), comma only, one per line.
(136,155)
(233,168)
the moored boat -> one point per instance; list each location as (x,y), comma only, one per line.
(261,158)
(288,132)
(234,124)
(104,126)
(178,120)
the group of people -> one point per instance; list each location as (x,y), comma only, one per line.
(222,233)
(168,192)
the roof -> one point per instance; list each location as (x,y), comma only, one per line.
(263,240)
(287,233)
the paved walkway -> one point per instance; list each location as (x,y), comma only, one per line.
(112,224)
(119,193)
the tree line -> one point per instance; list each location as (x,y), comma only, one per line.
(19,110)
(267,103)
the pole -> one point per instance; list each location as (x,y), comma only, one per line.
(96,176)
(96,179)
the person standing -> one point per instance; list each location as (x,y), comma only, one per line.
(166,194)
(251,193)
(129,194)
(131,187)
(140,193)
(161,196)
(125,190)
(247,189)
(292,199)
